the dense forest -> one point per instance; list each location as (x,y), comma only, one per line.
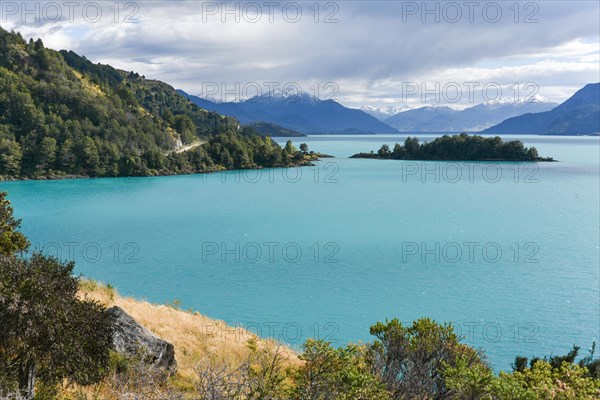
(268,129)
(62,115)
(461,147)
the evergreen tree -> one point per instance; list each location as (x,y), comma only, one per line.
(11,239)
(46,332)
(10,158)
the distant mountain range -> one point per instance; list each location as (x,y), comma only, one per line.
(277,114)
(578,115)
(382,113)
(473,119)
(300,112)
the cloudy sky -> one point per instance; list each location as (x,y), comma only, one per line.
(378,53)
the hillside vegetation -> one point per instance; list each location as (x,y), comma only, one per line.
(62,115)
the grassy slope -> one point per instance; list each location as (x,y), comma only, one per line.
(195,336)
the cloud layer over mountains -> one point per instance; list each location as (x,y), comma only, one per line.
(370,50)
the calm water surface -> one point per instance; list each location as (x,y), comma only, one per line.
(509,253)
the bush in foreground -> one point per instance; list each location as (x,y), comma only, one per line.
(47,333)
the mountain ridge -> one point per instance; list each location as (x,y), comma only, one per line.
(299,112)
(578,115)
(473,119)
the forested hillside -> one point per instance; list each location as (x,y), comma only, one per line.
(62,115)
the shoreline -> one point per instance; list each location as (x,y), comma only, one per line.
(307,163)
(369,156)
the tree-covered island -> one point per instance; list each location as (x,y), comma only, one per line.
(461,147)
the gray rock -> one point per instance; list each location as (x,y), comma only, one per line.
(133,340)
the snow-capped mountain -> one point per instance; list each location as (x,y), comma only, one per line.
(214,99)
(277,96)
(536,98)
(382,113)
(301,112)
(472,119)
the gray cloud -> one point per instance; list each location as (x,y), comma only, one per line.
(375,46)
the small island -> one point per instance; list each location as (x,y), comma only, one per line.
(461,147)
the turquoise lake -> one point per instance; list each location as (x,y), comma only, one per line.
(509,253)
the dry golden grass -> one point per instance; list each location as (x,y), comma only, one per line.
(194,336)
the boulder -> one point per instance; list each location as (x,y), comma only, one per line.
(132,340)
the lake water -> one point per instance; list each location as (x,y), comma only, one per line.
(509,253)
